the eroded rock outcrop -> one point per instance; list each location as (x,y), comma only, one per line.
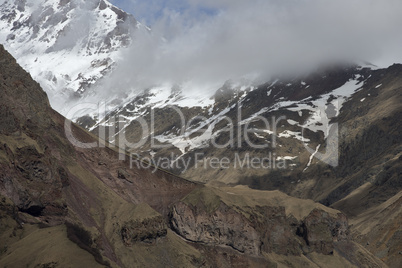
(147,230)
(205,216)
(224,226)
(320,230)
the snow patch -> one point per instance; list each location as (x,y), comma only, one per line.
(311,157)
(286,158)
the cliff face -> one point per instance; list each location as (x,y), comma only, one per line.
(260,228)
(268,226)
(66,206)
(223,227)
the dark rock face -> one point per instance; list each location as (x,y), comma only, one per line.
(147,230)
(29,177)
(8,122)
(123,175)
(224,227)
(32,182)
(267,229)
(320,231)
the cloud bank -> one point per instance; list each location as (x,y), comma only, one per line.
(211,41)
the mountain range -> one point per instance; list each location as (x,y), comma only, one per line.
(327,195)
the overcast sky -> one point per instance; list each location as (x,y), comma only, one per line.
(212,40)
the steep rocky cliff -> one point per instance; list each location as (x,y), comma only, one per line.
(253,226)
(266,224)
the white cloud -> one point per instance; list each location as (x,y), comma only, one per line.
(261,36)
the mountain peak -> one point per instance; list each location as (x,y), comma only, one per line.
(66,45)
(90,27)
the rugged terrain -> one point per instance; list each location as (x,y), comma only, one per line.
(335,139)
(68,206)
(348,114)
(87,200)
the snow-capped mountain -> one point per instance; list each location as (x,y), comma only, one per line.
(49,40)
(187,125)
(66,45)
(333,135)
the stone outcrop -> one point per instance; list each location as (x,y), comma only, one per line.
(224,227)
(147,230)
(254,230)
(320,230)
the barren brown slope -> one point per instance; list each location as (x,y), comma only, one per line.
(378,228)
(369,174)
(104,205)
(370,168)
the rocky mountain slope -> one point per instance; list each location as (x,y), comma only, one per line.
(78,196)
(64,206)
(333,136)
(349,116)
